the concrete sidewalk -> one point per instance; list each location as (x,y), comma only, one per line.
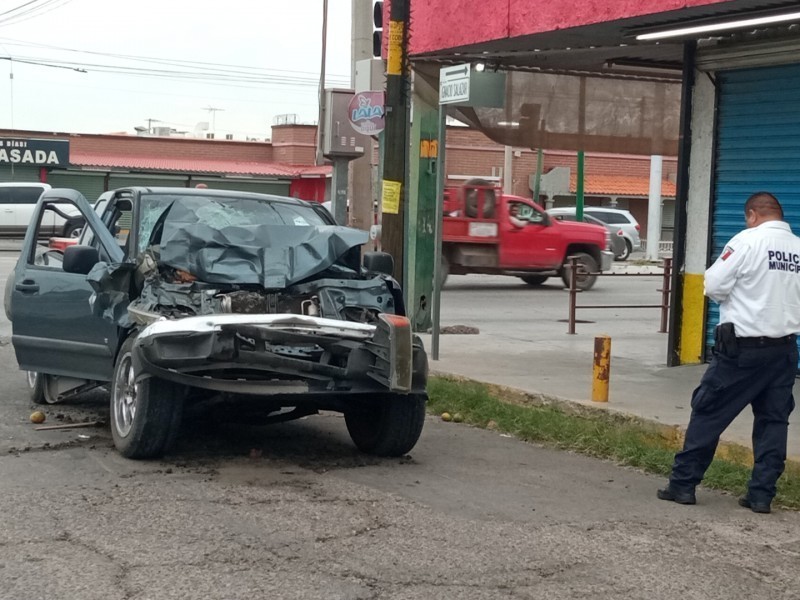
(544,360)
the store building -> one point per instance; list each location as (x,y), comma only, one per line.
(94,163)
(717,82)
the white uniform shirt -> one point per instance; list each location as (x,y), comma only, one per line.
(756,281)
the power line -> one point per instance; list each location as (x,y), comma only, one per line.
(21,6)
(33,12)
(163,61)
(170,74)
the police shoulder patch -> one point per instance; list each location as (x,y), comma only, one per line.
(726,253)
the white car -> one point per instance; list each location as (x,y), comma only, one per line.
(17,203)
(616,219)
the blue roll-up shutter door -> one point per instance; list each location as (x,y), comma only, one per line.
(758,149)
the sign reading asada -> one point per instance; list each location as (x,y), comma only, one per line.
(35,153)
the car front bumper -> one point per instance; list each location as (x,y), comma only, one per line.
(606,260)
(283,353)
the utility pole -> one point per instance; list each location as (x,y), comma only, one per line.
(361,197)
(394,188)
(150,124)
(212,113)
(321,120)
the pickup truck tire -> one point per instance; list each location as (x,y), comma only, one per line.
(388,425)
(534,280)
(73,229)
(145,417)
(585,282)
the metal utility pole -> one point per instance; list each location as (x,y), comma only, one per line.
(212,113)
(150,124)
(321,121)
(394,188)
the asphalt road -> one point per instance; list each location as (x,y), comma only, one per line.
(293,511)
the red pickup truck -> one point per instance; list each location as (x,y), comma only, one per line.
(486,231)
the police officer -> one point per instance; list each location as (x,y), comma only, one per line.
(756,281)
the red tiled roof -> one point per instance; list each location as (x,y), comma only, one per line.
(620,185)
(194,165)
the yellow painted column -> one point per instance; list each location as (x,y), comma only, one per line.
(602,368)
(692,325)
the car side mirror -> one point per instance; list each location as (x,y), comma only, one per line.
(80,259)
(379,262)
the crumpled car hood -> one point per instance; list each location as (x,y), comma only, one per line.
(273,256)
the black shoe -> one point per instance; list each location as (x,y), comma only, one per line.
(756,507)
(674,496)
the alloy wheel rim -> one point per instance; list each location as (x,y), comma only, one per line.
(125,396)
(32,375)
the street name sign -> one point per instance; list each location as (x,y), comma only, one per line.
(454,84)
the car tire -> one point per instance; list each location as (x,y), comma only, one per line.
(387,425)
(534,280)
(145,416)
(625,254)
(73,230)
(36,383)
(584,282)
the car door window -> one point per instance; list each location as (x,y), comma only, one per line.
(43,253)
(49,254)
(25,195)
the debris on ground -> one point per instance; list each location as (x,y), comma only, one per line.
(459,330)
(38,417)
(68,426)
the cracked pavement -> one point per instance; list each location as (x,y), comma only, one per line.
(469,514)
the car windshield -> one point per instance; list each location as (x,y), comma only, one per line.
(219,212)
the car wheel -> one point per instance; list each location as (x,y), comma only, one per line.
(36,386)
(145,414)
(387,425)
(625,253)
(534,280)
(586,265)
(73,230)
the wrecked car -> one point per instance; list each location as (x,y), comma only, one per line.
(179,296)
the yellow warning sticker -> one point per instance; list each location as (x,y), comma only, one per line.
(394,54)
(390,197)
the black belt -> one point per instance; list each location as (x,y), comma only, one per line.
(760,342)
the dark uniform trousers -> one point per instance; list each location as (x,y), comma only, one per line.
(762,376)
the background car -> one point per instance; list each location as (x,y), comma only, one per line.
(619,246)
(17,203)
(616,218)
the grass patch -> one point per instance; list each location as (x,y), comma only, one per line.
(623,439)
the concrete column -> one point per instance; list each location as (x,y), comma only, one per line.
(361,197)
(508,170)
(339,190)
(654,208)
(698,221)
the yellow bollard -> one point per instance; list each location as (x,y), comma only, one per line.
(602,368)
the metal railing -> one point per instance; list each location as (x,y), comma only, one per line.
(664,248)
(576,270)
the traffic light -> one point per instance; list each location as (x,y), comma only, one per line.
(377,31)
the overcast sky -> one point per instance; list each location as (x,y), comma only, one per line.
(254,59)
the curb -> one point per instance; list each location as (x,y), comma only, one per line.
(672,434)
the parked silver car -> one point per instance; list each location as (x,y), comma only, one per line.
(617,218)
(619,246)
